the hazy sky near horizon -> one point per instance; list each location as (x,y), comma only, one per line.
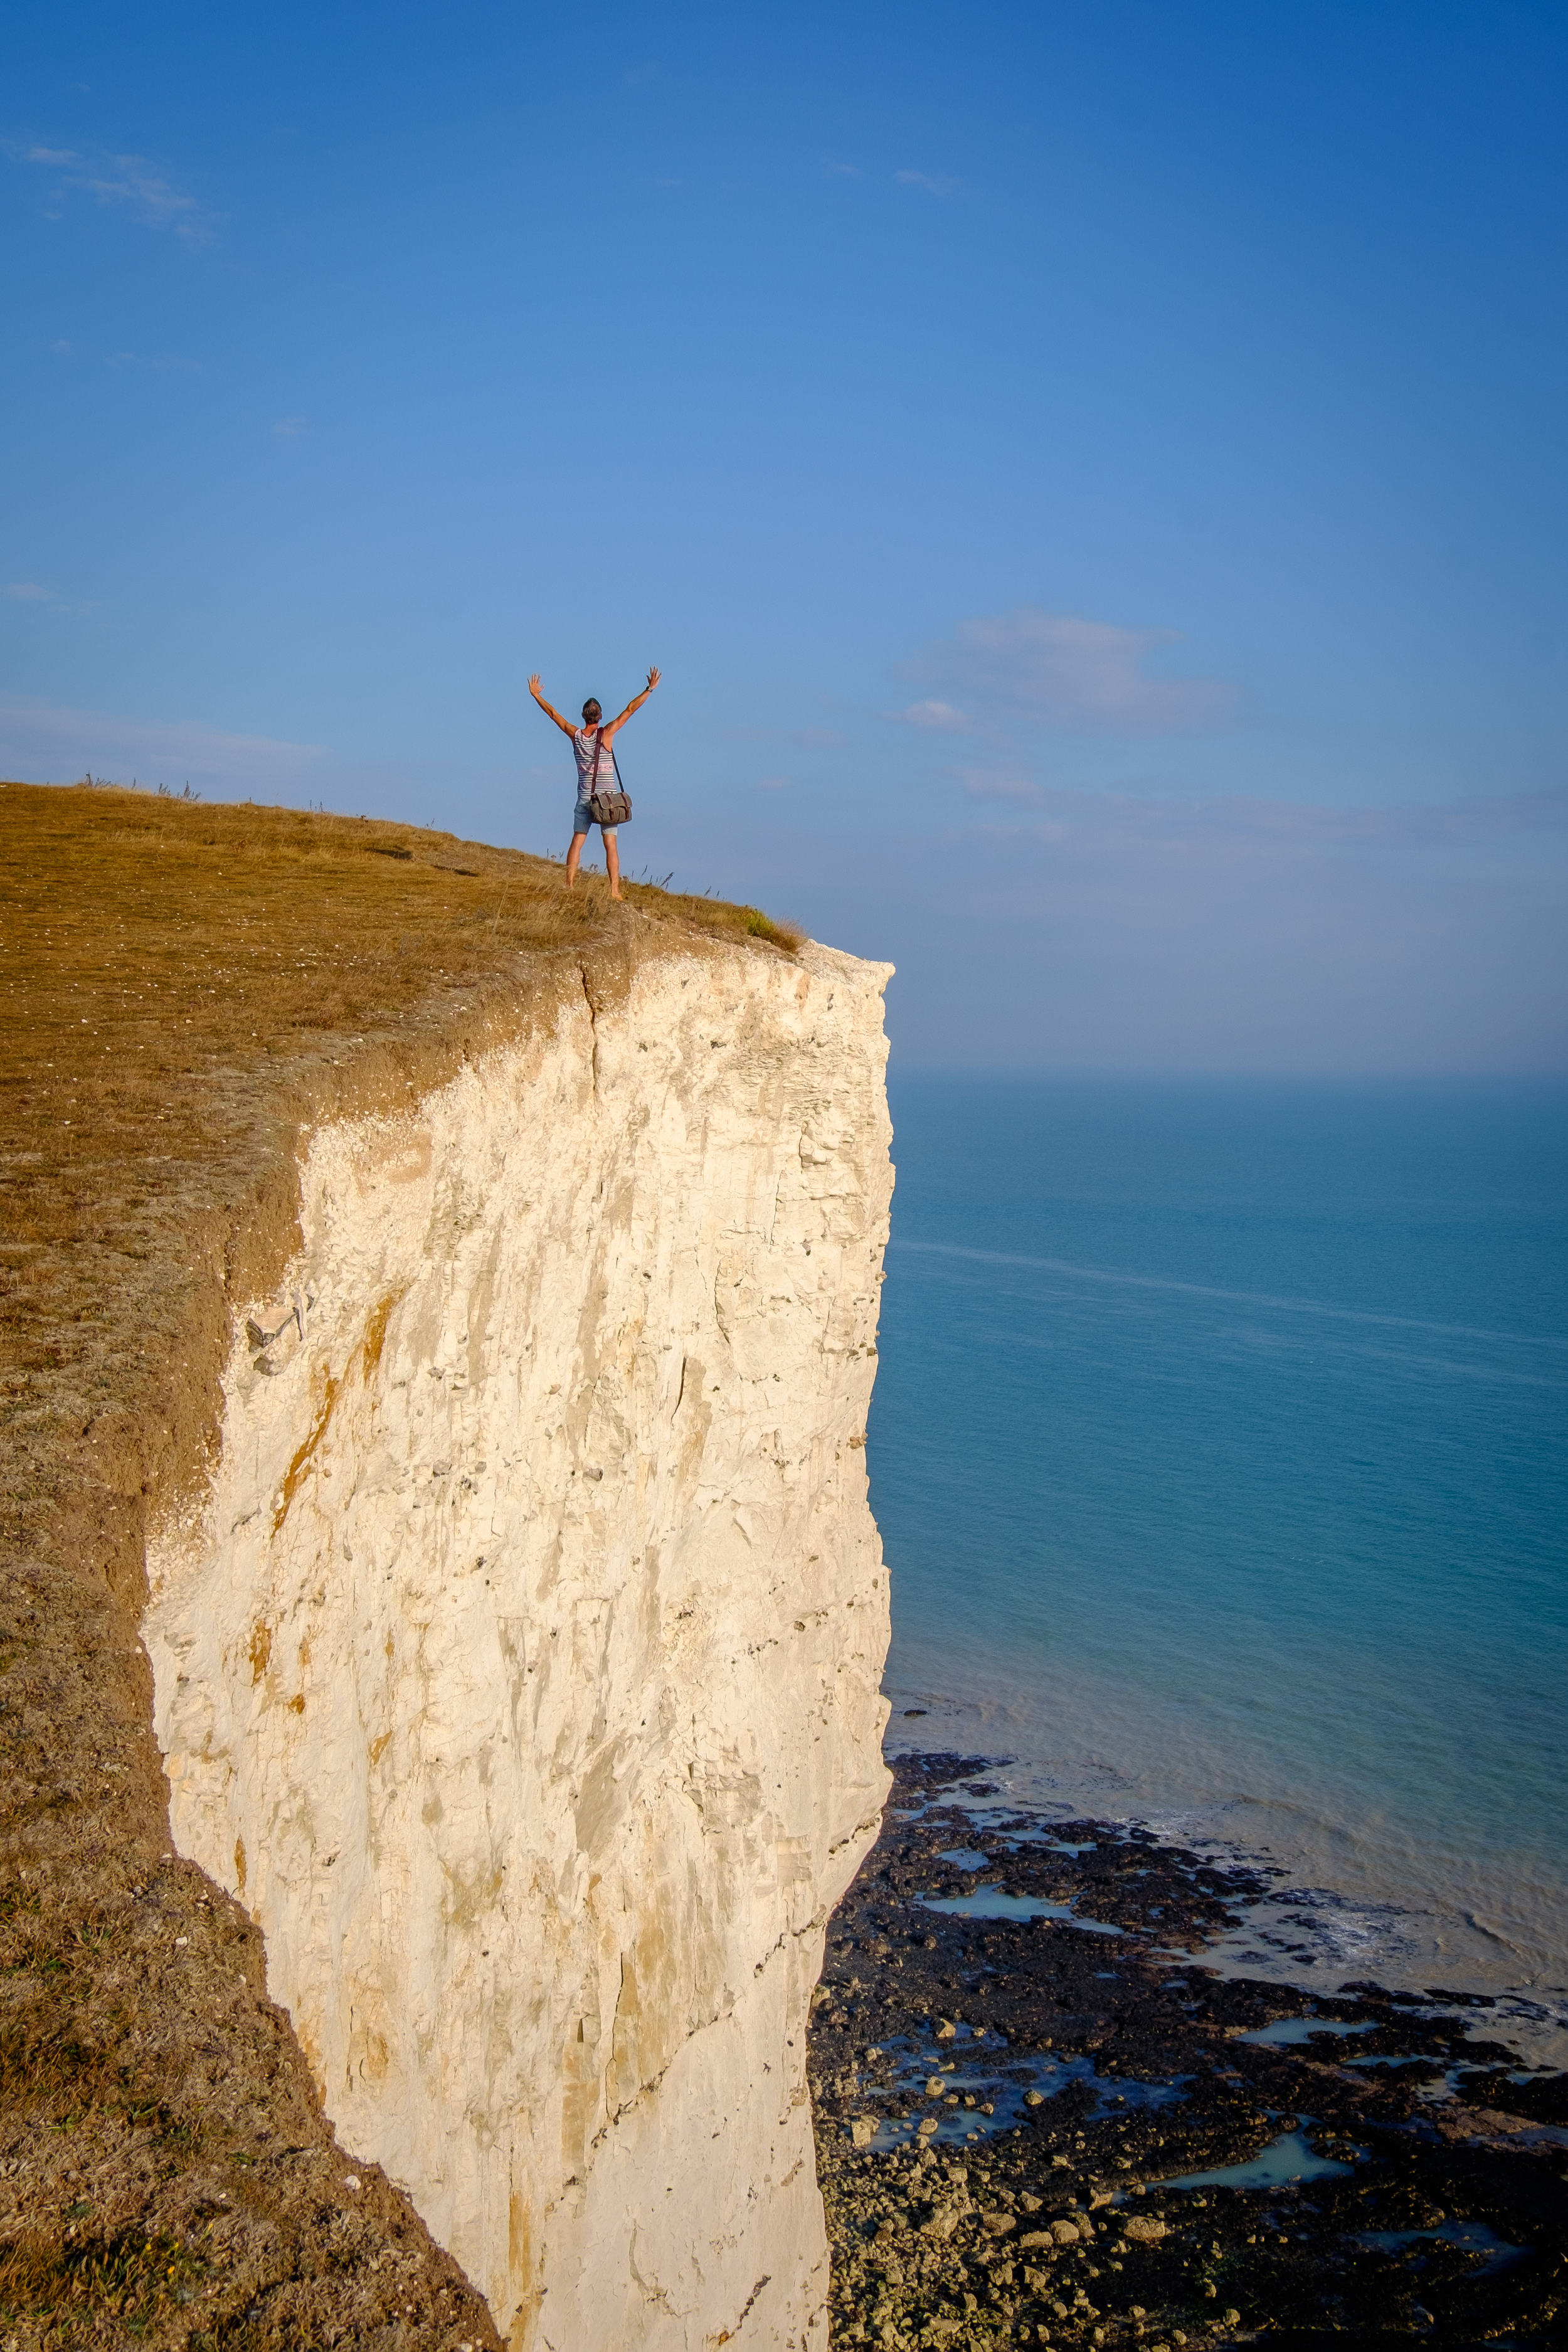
(1095,477)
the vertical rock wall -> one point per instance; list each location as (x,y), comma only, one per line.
(522,1673)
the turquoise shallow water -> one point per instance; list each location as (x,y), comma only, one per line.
(1220,1450)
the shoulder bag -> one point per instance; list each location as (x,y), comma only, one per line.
(608,808)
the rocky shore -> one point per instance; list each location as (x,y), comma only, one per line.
(1041,2119)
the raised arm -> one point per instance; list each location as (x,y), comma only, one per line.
(549,707)
(635,703)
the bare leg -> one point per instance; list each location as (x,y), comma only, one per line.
(612,861)
(574,856)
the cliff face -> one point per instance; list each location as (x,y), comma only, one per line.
(520,1671)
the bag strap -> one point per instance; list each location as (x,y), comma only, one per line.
(598,746)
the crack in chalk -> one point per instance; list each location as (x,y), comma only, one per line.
(652,2293)
(643,2092)
(726,2335)
(790,1935)
(646,2091)
(593,1022)
(871,1820)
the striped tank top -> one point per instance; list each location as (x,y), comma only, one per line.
(582,744)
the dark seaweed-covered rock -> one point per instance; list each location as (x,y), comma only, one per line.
(1010,2111)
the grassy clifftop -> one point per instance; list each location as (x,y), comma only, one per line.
(183,989)
(180,985)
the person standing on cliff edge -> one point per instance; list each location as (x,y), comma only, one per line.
(590,744)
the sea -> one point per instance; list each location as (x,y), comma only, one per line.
(1219,1448)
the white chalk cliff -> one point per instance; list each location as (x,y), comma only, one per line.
(520,1671)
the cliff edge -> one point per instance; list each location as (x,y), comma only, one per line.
(520,1671)
(516,1618)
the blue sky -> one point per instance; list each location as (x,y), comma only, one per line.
(1094,475)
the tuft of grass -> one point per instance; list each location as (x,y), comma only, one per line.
(779,935)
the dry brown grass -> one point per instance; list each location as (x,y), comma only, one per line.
(184,989)
(169,973)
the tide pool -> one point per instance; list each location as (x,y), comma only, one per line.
(1289,2159)
(1220,1450)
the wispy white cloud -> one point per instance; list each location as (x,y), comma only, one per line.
(1133,932)
(832,170)
(935,184)
(771,783)
(1060,670)
(51,742)
(33,592)
(288,428)
(1240,829)
(134,184)
(936,717)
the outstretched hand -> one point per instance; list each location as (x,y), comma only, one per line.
(549,709)
(635,703)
